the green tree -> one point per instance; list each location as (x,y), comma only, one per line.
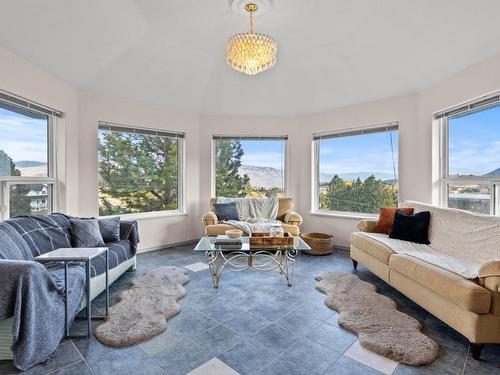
(138,173)
(359,196)
(228,182)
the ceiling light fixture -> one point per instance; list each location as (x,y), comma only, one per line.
(251,53)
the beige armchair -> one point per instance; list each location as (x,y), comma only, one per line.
(291,219)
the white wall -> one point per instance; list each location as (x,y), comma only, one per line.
(157,231)
(84,110)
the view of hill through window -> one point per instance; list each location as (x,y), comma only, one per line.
(23,152)
(358,173)
(473,153)
(249,168)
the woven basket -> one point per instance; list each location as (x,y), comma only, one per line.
(320,243)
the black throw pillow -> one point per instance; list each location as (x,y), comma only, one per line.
(110,229)
(413,228)
(226,211)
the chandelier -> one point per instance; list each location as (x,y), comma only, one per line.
(251,53)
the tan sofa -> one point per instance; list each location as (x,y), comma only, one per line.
(470,306)
(291,220)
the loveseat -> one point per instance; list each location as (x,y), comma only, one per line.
(456,277)
(291,220)
(31,297)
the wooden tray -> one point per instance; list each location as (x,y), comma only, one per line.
(263,240)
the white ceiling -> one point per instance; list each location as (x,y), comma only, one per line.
(330,53)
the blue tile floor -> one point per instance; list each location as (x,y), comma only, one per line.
(255,324)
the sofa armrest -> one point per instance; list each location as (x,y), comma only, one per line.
(210,218)
(492,283)
(292,218)
(490,269)
(366,225)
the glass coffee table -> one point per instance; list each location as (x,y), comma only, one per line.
(245,257)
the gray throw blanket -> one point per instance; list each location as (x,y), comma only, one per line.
(256,214)
(36,301)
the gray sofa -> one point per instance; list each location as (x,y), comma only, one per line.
(32,294)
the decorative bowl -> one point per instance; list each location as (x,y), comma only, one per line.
(234,233)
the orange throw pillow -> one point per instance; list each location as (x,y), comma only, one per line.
(386,218)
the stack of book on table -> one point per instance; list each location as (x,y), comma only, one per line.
(224,242)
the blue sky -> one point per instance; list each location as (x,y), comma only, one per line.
(23,137)
(357,154)
(263,153)
(474,143)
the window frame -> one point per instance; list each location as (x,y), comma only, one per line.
(315,167)
(181,171)
(442,117)
(249,137)
(6,182)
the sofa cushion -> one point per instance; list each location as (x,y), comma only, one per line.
(463,292)
(386,218)
(226,211)
(43,233)
(86,233)
(413,228)
(372,247)
(119,252)
(110,228)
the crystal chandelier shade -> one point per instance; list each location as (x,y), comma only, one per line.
(251,53)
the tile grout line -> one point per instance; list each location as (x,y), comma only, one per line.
(147,355)
(83,358)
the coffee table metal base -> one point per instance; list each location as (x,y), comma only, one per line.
(260,260)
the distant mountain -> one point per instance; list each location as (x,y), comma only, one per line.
(29,164)
(268,177)
(327,177)
(496,172)
(30,168)
(265,177)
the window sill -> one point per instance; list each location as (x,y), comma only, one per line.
(345,215)
(149,215)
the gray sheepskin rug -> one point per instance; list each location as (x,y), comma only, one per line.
(375,318)
(142,310)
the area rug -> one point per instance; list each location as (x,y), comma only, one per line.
(142,310)
(375,318)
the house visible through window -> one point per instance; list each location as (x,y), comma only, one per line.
(139,170)
(356,171)
(470,168)
(249,166)
(26,182)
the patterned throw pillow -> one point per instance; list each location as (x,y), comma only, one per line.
(110,229)
(86,233)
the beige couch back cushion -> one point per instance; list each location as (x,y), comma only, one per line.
(470,237)
(284,205)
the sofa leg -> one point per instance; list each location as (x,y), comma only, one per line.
(475,350)
(133,267)
(354,264)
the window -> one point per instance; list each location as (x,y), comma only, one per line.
(470,149)
(139,170)
(356,171)
(26,154)
(249,166)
